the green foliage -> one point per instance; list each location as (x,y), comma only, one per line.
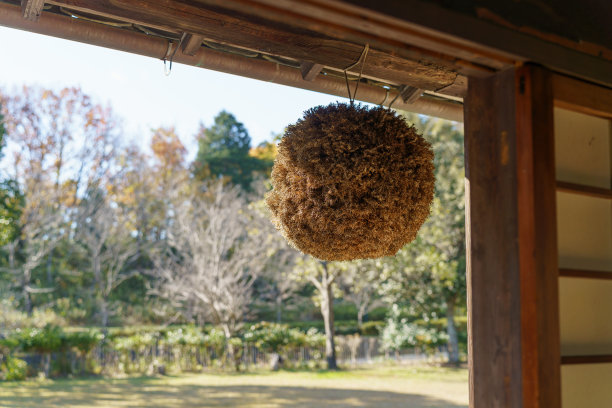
(45,340)
(372,328)
(400,334)
(14,369)
(83,341)
(186,336)
(12,202)
(223,151)
(274,337)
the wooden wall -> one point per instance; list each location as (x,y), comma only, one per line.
(583,155)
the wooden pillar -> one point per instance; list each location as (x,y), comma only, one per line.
(513,324)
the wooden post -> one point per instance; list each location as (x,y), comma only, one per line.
(513,324)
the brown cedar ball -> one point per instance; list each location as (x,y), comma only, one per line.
(351,182)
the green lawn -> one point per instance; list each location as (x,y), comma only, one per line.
(382,387)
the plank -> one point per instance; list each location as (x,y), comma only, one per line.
(275,39)
(410,94)
(597,359)
(435,27)
(513,322)
(134,42)
(32,9)
(192,44)
(580,96)
(343,20)
(310,70)
(585,190)
(584,274)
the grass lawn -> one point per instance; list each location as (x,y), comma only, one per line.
(379,387)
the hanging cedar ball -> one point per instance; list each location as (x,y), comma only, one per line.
(351,182)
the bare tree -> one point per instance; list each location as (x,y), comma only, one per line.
(109,245)
(212,258)
(280,285)
(323,276)
(40,231)
(359,282)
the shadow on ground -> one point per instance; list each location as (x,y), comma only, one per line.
(123,393)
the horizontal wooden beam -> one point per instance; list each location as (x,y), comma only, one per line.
(580,96)
(597,359)
(137,43)
(585,274)
(582,189)
(342,20)
(275,39)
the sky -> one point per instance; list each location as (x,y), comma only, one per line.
(143,96)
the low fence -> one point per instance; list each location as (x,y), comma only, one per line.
(163,358)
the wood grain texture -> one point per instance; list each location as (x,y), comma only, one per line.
(493,265)
(514,348)
(32,9)
(243,31)
(538,253)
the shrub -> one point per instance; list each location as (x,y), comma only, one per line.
(14,369)
(372,328)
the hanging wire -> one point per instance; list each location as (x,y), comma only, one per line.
(399,92)
(170,57)
(362,57)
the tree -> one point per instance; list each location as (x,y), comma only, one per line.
(322,275)
(223,152)
(211,259)
(279,285)
(359,282)
(430,272)
(109,247)
(39,231)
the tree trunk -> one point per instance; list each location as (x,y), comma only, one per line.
(97,283)
(327,310)
(27,297)
(360,314)
(231,353)
(49,268)
(453,342)
(279,307)
(104,313)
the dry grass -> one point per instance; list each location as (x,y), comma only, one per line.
(387,387)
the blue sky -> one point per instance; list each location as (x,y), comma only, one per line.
(142,95)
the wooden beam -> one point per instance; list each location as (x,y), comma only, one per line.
(134,42)
(597,359)
(32,9)
(513,322)
(340,19)
(584,274)
(410,94)
(191,44)
(580,96)
(274,39)
(310,70)
(582,189)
